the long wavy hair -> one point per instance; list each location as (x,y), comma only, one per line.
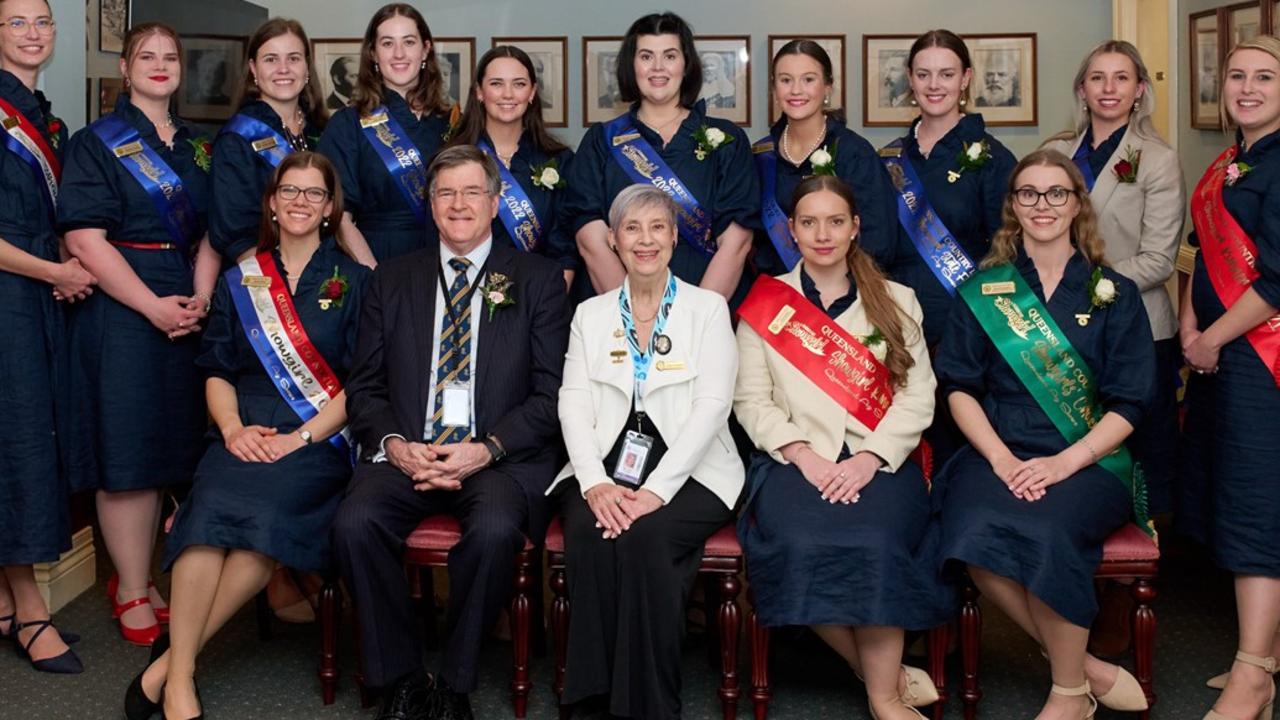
(1268,44)
(427,95)
(1139,116)
(268,229)
(810,49)
(311,101)
(873,287)
(1084,229)
(473,120)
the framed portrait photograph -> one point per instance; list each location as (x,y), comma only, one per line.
(1205,53)
(457,59)
(886,92)
(1244,22)
(101,96)
(550,57)
(213,66)
(726,76)
(834,45)
(113,23)
(601,99)
(1004,87)
(337,65)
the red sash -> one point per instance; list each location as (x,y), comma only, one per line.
(35,135)
(1230,256)
(312,359)
(835,361)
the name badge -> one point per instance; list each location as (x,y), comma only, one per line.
(264,144)
(457,405)
(998,288)
(890,152)
(630,469)
(11,123)
(255,281)
(132,148)
(670,365)
(625,138)
(372,120)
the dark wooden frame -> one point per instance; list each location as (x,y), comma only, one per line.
(1035,78)
(128,18)
(866,85)
(841,66)
(231,108)
(464,88)
(1194,62)
(746,43)
(322,72)
(586,73)
(563,40)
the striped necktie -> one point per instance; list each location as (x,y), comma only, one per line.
(455,352)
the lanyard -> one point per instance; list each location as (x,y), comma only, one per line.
(640,360)
(466,298)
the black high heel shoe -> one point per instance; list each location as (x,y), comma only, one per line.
(137,706)
(198,699)
(68,663)
(69,638)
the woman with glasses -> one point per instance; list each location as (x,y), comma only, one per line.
(268,485)
(35,526)
(1047,365)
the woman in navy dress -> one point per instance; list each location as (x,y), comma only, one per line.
(1235,402)
(34,522)
(801,76)
(269,483)
(504,117)
(278,91)
(138,414)
(660,74)
(399,71)
(1025,510)
(835,509)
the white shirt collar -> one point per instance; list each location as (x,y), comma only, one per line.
(477,256)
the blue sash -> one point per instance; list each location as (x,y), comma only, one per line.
(515,209)
(161,183)
(1081,159)
(775,221)
(23,139)
(401,157)
(267,143)
(644,165)
(935,243)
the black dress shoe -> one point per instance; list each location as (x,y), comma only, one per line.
(137,706)
(451,705)
(409,698)
(68,663)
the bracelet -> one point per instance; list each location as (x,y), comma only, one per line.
(796,455)
(1088,446)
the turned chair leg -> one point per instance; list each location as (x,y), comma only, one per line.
(520,684)
(939,638)
(970,637)
(730,625)
(758,637)
(560,633)
(330,607)
(1144,638)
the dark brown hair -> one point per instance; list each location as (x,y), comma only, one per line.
(667,23)
(808,48)
(947,40)
(473,120)
(138,34)
(268,229)
(873,287)
(310,100)
(427,95)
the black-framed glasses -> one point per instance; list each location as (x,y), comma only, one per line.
(312,194)
(1056,196)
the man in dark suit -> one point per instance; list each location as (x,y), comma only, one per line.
(454,405)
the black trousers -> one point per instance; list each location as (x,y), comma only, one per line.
(627,600)
(380,510)
(1156,437)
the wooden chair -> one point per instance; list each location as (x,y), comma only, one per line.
(721,559)
(1127,555)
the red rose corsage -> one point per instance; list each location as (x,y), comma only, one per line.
(1127,169)
(333,290)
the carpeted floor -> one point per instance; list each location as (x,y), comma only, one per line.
(243,678)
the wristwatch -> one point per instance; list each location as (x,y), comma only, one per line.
(494,447)
(306,436)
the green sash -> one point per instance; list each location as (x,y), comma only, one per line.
(1049,367)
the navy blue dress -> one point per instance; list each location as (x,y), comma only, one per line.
(370,194)
(138,400)
(857,164)
(1051,546)
(1233,418)
(557,243)
(34,522)
(811,562)
(725,184)
(282,509)
(970,208)
(239,177)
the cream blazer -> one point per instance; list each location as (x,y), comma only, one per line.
(778,405)
(689,404)
(1141,222)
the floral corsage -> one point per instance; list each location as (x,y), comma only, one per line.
(203,152)
(547,176)
(333,290)
(1102,292)
(497,292)
(823,160)
(709,140)
(972,157)
(1127,169)
(875,343)
(55,131)
(1237,170)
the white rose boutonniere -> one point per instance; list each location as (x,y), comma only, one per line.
(972,157)
(823,160)
(875,343)
(547,176)
(709,140)
(1102,292)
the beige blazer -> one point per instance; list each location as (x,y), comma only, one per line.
(689,404)
(778,405)
(1141,222)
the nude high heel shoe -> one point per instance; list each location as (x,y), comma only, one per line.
(920,691)
(1268,710)
(1125,695)
(1219,682)
(1076,692)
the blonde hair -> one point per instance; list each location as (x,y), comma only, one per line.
(1144,108)
(1084,229)
(1268,44)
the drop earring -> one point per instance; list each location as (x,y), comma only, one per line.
(424,65)
(377,69)
(826,101)
(963,101)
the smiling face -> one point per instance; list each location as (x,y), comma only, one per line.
(462,206)
(155,69)
(1111,86)
(30,44)
(301,216)
(659,66)
(280,68)
(645,240)
(1250,92)
(1042,222)
(506,90)
(824,228)
(400,51)
(938,81)
(800,86)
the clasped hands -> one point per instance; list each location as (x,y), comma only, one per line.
(258,443)
(437,467)
(616,507)
(1200,354)
(1030,479)
(177,315)
(839,482)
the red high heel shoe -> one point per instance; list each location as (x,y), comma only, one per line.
(113,586)
(138,636)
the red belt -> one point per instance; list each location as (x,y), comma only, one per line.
(144,246)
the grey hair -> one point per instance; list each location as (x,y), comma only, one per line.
(640,196)
(459,155)
(1140,116)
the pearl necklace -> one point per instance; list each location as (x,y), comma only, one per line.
(786,145)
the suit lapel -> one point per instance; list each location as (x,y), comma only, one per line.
(606,324)
(1106,185)
(501,260)
(422,299)
(680,329)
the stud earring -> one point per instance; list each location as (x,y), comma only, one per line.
(324,224)
(274,218)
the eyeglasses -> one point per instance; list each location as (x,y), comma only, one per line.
(312,194)
(471,194)
(1030,197)
(18,26)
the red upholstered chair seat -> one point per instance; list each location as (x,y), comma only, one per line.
(440,532)
(724,543)
(1129,544)
(555,536)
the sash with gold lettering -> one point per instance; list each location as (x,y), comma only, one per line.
(400,156)
(266,142)
(931,238)
(775,220)
(23,139)
(515,209)
(645,166)
(827,354)
(1049,367)
(270,321)
(162,184)
(1230,256)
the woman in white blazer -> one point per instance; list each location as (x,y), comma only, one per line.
(652,473)
(835,510)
